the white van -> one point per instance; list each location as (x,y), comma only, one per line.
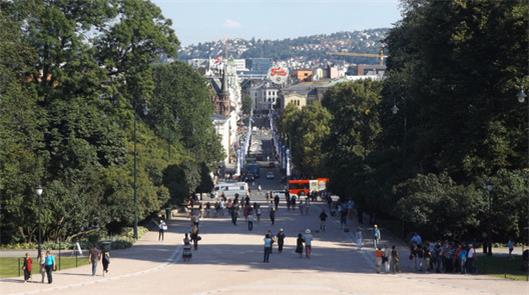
(229,189)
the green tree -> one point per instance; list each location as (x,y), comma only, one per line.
(68,106)
(438,207)
(306,131)
(355,127)
(182,111)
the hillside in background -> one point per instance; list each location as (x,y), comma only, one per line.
(302,49)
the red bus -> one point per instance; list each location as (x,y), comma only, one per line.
(296,186)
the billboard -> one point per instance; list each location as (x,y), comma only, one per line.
(278,75)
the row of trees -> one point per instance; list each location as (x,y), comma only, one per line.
(423,144)
(74,77)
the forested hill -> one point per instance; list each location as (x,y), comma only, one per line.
(307,48)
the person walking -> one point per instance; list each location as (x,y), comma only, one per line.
(343,217)
(234,214)
(267,248)
(299,245)
(323,220)
(301,205)
(378,259)
(162,227)
(359,238)
(280,237)
(27,267)
(293,201)
(258,213)
(42,267)
(195,237)
(49,264)
(276,201)
(463,260)
(510,246)
(386,259)
(195,220)
(287,200)
(105,260)
(250,221)
(272,215)
(376,236)
(186,254)
(94,255)
(394,260)
(307,238)
(471,254)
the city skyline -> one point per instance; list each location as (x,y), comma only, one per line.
(206,20)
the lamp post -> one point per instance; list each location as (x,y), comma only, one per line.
(39,191)
(489,243)
(395,110)
(521,96)
(135,187)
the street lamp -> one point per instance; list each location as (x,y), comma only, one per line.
(395,110)
(489,243)
(39,191)
(135,187)
(521,96)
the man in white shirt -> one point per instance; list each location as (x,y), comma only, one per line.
(471,254)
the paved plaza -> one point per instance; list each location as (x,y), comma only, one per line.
(229,261)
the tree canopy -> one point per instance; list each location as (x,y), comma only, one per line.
(74,77)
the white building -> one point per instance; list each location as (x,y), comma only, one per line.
(228,106)
(264,96)
(222,129)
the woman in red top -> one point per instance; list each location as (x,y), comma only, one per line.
(28,265)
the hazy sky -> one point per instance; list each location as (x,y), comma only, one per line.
(206,20)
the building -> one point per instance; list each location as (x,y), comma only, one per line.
(299,99)
(223,130)
(302,75)
(227,102)
(265,96)
(239,65)
(305,93)
(332,72)
(365,69)
(259,66)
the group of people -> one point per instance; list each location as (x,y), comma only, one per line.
(442,256)
(191,237)
(303,243)
(387,259)
(46,263)
(95,255)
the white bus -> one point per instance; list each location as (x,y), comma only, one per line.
(229,189)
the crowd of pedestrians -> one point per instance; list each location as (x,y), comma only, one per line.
(442,256)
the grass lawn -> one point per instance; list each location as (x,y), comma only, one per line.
(502,266)
(9,265)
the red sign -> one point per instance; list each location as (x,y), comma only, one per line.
(278,72)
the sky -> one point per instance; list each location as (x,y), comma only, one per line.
(208,20)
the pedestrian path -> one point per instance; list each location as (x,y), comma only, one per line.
(147,255)
(229,261)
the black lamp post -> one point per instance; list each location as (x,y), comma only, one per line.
(39,191)
(489,242)
(521,96)
(135,185)
(395,110)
